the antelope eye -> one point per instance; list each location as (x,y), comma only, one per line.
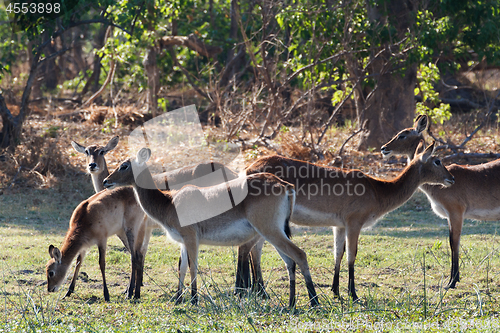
(87,152)
(101,152)
(437,162)
(401,137)
(123,167)
(52,273)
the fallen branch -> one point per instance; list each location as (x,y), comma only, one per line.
(70,114)
(485,120)
(470,156)
(72,100)
(455,148)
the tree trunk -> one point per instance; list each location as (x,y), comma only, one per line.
(149,61)
(12,126)
(49,70)
(389,109)
(36,92)
(153,79)
(231,65)
(93,82)
(77,51)
(391,106)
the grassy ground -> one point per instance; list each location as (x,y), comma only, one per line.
(402,265)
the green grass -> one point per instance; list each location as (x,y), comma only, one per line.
(402,264)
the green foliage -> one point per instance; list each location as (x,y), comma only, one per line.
(428,76)
(108,125)
(11,45)
(284,129)
(163,104)
(340,94)
(51,131)
(291,36)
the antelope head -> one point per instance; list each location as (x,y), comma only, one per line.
(406,141)
(95,155)
(129,172)
(55,275)
(431,168)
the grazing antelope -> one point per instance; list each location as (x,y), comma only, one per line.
(474,195)
(92,223)
(265,211)
(349,200)
(138,232)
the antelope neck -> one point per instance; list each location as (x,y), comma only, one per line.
(71,246)
(99,178)
(149,196)
(394,193)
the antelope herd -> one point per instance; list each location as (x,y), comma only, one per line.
(129,203)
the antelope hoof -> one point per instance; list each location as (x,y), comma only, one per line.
(314,302)
(336,292)
(354,297)
(178,299)
(240,292)
(451,285)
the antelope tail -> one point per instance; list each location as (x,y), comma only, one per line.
(291,201)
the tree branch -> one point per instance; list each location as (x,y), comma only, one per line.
(186,73)
(111,72)
(485,120)
(337,109)
(55,54)
(362,128)
(470,156)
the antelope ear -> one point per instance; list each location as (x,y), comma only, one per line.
(428,151)
(55,253)
(143,155)
(111,144)
(421,124)
(78,147)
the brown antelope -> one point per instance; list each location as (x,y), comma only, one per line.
(349,200)
(264,211)
(472,197)
(135,229)
(92,223)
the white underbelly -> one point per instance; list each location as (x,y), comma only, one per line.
(232,234)
(303,215)
(492,214)
(483,214)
